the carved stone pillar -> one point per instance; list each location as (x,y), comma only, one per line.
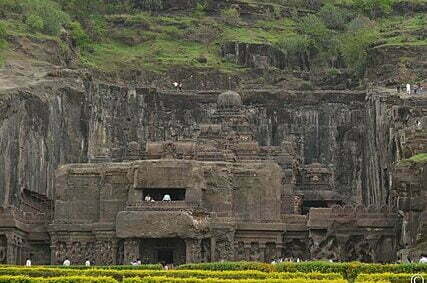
(114,246)
(261,252)
(131,250)
(213,244)
(247,251)
(279,249)
(193,250)
(53,244)
(11,249)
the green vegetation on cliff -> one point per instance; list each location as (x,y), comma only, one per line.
(2,41)
(314,36)
(420,158)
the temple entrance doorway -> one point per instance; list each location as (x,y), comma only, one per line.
(163,250)
(165,256)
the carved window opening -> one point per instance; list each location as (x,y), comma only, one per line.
(158,194)
(307,204)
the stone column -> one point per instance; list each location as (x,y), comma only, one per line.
(193,250)
(53,258)
(213,247)
(261,249)
(131,251)
(279,248)
(247,251)
(114,246)
(11,249)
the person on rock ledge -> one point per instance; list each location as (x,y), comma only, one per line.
(166,197)
(176,84)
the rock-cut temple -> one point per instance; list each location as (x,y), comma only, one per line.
(231,199)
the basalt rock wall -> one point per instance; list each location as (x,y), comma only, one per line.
(40,128)
(64,122)
(392,125)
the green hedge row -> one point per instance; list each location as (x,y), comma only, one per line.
(391,277)
(70,279)
(215,280)
(120,274)
(113,267)
(349,270)
(91,279)
(230,265)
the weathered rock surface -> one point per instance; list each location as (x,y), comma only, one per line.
(333,147)
(60,122)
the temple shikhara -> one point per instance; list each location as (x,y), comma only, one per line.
(230,199)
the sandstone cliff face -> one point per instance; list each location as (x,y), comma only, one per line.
(59,122)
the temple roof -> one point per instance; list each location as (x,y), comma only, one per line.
(229,99)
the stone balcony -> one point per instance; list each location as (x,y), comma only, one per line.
(161,206)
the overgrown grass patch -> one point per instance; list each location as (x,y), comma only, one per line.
(158,55)
(420,158)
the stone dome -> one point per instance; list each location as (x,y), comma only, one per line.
(229,99)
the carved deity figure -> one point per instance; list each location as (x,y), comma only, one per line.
(240,251)
(60,252)
(404,235)
(206,250)
(255,253)
(169,150)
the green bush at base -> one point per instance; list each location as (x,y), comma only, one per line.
(112,267)
(351,270)
(202,274)
(391,277)
(230,265)
(71,279)
(215,280)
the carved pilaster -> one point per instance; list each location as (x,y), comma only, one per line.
(247,247)
(131,250)
(193,250)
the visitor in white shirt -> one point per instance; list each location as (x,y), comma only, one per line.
(423,259)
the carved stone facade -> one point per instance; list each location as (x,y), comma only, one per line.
(231,199)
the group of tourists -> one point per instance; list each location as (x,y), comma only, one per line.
(137,262)
(280,260)
(66,262)
(417,88)
(178,85)
(166,197)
